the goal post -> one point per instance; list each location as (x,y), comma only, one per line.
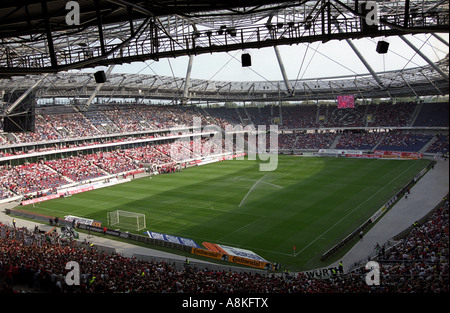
(127,219)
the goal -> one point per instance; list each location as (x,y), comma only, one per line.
(127,219)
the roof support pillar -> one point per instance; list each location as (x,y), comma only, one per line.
(283,71)
(187,80)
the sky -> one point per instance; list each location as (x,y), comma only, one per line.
(301,61)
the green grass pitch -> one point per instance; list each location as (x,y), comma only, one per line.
(307,202)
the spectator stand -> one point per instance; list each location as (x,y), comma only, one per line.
(43,255)
(150,125)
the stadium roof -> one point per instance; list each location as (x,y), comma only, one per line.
(415,82)
(43,37)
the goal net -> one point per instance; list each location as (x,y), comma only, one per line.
(127,219)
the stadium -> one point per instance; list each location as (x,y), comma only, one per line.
(119,179)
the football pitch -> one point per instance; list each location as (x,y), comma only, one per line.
(308,202)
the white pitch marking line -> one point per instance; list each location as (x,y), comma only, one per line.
(219,240)
(352,211)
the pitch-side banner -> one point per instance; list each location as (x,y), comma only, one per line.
(237,252)
(234,259)
(208,254)
(399,154)
(174,239)
(81,220)
(44,198)
(339,151)
(363,156)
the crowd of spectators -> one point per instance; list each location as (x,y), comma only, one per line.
(113,162)
(148,155)
(5,193)
(261,116)
(44,131)
(299,117)
(386,114)
(184,116)
(77,144)
(65,123)
(74,125)
(76,168)
(178,151)
(418,264)
(441,145)
(433,115)
(345,117)
(100,121)
(224,116)
(391,141)
(126,119)
(358,141)
(28,178)
(315,140)
(51,174)
(285,141)
(403,141)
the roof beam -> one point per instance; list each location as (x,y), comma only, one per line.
(366,64)
(440,39)
(434,66)
(426,77)
(24,95)
(406,82)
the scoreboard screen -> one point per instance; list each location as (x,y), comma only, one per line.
(346,102)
